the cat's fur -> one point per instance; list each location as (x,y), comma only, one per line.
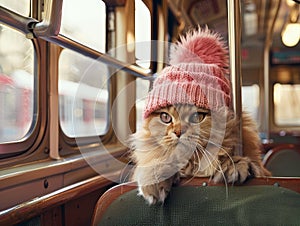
(190,145)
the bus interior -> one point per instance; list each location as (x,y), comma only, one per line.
(73,80)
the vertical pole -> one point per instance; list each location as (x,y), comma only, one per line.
(273,13)
(266,124)
(234,40)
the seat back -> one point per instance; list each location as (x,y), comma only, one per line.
(283,161)
(195,204)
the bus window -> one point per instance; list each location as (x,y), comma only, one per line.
(84,22)
(20,6)
(287,104)
(250,100)
(83,90)
(142,34)
(16,85)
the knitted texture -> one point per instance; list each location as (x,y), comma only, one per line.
(197,74)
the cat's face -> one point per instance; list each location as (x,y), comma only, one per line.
(179,125)
(172,137)
(183,138)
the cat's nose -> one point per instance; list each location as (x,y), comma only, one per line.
(178,132)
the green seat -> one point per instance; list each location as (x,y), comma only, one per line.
(283,162)
(210,205)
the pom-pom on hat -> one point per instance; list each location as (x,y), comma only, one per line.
(197,74)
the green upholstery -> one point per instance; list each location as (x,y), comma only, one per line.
(212,205)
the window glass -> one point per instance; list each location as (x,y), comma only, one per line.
(83,95)
(142,88)
(250,100)
(16,85)
(142,34)
(20,6)
(84,22)
(287,104)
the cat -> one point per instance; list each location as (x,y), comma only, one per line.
(183,140)
(189,127)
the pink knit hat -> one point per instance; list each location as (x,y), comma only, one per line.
(197,74)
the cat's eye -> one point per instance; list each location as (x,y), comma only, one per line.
(165,117)
(196,117)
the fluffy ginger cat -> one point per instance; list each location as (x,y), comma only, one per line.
(189,127)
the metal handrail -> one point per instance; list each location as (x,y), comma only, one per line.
(19,22)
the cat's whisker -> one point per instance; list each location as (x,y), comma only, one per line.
(224,150)
(233,164)
(218,168)
(208,156)
(229,157)
(225,180)
(125,177)
(205,155)
(125,155)
(211,164)
(152,145)
(198,162)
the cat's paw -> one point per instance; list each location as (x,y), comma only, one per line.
(236,170)
(157,193)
